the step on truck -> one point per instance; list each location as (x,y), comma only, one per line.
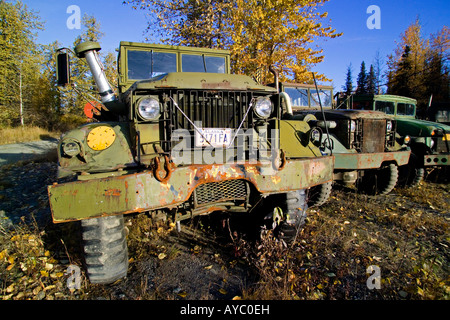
(430,141)
(181,138)
(367,150)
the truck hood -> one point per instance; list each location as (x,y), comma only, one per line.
(201,81)
(419,128)
(347,114)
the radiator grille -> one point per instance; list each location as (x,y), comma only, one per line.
(442,145)
(207,109)
(372,133)
(213,192)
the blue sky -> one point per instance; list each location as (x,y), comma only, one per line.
(359,43)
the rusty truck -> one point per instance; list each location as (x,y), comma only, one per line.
(182,137)
(366,147)
(430,141)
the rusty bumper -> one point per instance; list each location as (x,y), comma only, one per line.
(141,192)
(360,161)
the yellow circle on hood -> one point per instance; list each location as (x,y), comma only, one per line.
(101,138)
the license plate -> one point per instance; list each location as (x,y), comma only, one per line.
(218,138)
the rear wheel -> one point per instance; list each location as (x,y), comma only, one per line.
(379,181)
(105,249)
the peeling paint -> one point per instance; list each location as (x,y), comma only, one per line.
(140,192)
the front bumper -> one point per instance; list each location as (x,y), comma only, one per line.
(141,192)
(361,161)
(436,160)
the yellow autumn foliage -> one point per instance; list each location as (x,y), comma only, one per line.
(259,33)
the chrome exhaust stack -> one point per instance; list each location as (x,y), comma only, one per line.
(89,51)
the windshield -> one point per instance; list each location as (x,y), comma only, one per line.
(149,64)
(202,63)
(325,98)
(299,97)
(406,109)
(362,105)
(385,106)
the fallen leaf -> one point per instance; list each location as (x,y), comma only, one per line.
(208,267)
(161,256)
(420,291)
(3,254)
(10,288)
(223,291)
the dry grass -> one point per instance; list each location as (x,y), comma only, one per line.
(26,134)
(406,235)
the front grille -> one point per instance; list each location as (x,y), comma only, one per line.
(215,192)
(442,146)
(207,109)
(373,136)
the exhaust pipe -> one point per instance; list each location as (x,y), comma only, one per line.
(89,50)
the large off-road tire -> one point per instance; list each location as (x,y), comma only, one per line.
(411,174)
(294,216)
(105,248)
(320,194)
(379,181)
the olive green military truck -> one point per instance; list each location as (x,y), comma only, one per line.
(364,143)
(430,141)
(183,137)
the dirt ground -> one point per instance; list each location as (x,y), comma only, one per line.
(405,234)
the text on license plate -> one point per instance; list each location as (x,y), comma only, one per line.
(218,138)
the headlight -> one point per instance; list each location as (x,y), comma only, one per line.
(263,107)
(149,109)
(315,136)
(352,125)
(71,148)
(389,126)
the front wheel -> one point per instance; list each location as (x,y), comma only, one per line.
(410,175)
(105,248)
(294,216)
(379,181)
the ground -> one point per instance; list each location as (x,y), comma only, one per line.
(404,236)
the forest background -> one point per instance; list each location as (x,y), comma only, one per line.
(281,33)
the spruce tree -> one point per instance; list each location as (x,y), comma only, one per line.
(361,82)
(371,81)
(348,87)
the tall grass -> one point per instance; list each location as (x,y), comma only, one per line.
(25,134)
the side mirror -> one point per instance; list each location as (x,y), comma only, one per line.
(62,68)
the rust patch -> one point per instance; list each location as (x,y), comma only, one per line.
(113,193)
